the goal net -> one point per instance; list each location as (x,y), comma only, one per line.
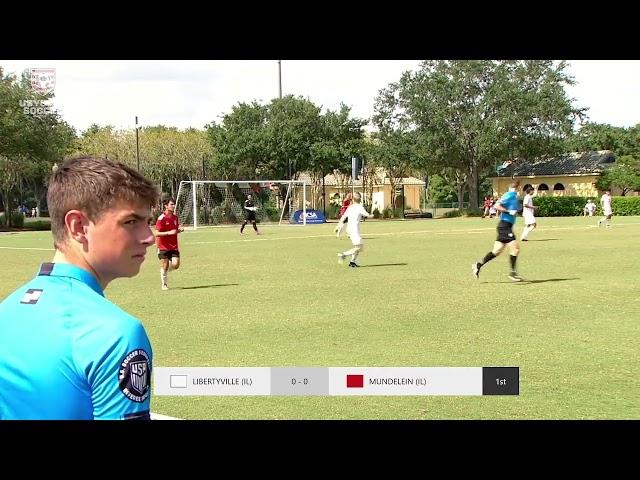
(201,203)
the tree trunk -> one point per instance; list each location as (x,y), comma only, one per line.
(473,180)
(426,189)
(393,194)
(7,207)
(40,194)
(460,193)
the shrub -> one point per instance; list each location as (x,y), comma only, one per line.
(472,212)
(452,214)
(625,206)
(17,220)
(38,225)
(559,206)
(271,210)
(333,210)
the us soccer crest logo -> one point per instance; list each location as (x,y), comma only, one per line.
(43,80)
(135,375)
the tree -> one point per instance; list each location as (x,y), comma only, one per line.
(260,141)
(470,115)
(30,142)
(625,175)
(396,152)
(240,142)
(167,154)
(599,136)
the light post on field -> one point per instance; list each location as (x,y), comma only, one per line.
(280,96)
(137,145)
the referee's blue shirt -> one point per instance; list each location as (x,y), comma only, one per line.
(509,201)
(67,353)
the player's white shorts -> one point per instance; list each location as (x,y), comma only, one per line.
(356,239)
(529,219)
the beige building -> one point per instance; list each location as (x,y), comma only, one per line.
(377,190)
(574,174)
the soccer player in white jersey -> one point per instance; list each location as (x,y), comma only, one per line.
(607,211)
(354,214)
(528,214)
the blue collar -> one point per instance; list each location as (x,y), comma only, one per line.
(71,271)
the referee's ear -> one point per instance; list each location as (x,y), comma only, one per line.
(77,224)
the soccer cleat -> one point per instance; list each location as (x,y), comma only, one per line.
(341,258)
(475,268)
(353,264)
(514,277)
(165,286)
(524,240)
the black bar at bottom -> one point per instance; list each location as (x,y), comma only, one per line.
(500,380)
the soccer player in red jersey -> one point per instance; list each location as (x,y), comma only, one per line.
(167,229)
(345,204)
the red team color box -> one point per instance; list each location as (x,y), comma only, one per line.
(355,381)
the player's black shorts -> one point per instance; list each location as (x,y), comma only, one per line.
(169,254)
(251,216)
(505,232)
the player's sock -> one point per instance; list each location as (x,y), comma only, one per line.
(163,276)
(354,256)
(514,259)
(352,251)
(487,258)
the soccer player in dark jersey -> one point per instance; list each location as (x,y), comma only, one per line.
(167,230)
(508,205)
(250,208)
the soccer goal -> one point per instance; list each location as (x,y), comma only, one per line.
(203,203)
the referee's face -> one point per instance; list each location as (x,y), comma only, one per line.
(118,241)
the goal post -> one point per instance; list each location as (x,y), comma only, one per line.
(202,203)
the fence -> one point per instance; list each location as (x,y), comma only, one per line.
(439,209)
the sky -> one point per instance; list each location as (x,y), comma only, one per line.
(193,93)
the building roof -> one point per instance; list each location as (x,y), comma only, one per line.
(572,163)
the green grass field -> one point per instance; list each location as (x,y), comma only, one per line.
(281,299)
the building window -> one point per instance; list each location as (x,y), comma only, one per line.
(558,186)
(543,187)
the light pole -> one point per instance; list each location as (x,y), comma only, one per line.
(280,96)
(137,145)
(280,78)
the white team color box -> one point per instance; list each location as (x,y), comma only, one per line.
(178,381)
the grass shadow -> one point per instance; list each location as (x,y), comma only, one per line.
(524,281)
(385,265)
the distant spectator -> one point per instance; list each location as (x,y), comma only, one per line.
(589,208)
(488,202)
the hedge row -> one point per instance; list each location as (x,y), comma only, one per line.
(572,206)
